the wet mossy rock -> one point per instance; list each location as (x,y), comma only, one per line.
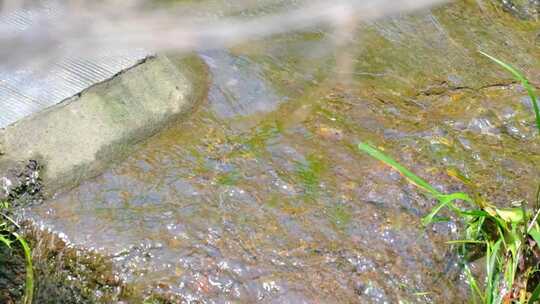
(79,137)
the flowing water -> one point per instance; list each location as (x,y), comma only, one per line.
(261,195)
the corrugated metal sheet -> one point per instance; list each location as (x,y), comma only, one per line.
(29,88)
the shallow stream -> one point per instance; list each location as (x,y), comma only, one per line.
(262,195)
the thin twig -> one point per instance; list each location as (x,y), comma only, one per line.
(10,219)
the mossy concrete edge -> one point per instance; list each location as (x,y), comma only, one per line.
(78,138)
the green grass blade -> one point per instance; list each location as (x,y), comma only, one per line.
(465,242)
(475,213)
(5,241)
(29,288)
(415,179)
(535,296)
(457,196)
(428,219)
(473,285)
(492,270)
(537,203)
(511,215)
(535,234)
(445,200)
(524,82)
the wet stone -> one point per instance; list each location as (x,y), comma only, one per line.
(21,184)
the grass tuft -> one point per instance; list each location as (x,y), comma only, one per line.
(508,239)
(8,236)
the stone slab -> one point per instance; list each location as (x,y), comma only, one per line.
(77,138)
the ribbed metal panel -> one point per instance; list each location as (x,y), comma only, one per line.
(28,88)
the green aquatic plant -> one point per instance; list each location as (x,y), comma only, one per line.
(9,236)
(508,239)
(524,82)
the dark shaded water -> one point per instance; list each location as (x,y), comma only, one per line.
(262,195)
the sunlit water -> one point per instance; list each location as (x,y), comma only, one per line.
(261,195)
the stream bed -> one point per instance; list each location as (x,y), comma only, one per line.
(262,196)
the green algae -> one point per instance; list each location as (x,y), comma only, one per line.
(228,178)
(309,174)
(340,215)
(258,141)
